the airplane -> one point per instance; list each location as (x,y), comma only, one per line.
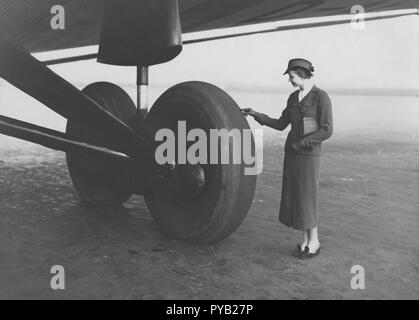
(109,141)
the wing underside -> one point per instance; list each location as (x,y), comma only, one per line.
(27,22)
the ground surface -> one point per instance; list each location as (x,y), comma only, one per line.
(368,216)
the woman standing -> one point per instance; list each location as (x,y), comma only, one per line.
(309,111)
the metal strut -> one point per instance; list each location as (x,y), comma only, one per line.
(53,139)
(142,90)
(135,175)
(32,77)
(134,150)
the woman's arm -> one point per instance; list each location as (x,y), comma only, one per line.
(263,119)
(325,122)
(279,124)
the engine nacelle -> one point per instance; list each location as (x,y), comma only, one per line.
(140,32)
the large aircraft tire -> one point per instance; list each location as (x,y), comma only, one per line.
(90,189)
(224,202)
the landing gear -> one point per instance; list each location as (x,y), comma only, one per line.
(109,141)
(224,202)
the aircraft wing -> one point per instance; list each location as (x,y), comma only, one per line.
(27,22)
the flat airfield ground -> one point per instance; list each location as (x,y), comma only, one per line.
(368,216)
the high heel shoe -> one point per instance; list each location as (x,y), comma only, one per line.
(307,254)
(301,251)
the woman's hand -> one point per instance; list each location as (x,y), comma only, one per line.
(249,112)
(256,115)
(299,145)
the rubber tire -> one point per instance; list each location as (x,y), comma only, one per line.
(91,191)
(225,201)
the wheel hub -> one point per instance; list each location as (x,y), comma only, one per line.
(182,181)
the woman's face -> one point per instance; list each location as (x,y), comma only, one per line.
(295,80)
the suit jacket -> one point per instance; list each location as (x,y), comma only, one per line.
(316,104)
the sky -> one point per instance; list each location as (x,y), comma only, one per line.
(383,55)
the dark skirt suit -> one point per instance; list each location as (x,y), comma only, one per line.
(301,170)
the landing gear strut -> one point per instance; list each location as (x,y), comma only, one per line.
(109,140)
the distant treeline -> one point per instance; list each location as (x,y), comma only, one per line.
(238,87)
(339,91)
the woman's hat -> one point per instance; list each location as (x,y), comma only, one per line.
(302,63)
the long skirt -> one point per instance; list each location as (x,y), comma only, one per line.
(300,184)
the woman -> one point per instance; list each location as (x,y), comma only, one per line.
(309,111)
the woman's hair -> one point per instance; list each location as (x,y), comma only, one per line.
(303,73)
